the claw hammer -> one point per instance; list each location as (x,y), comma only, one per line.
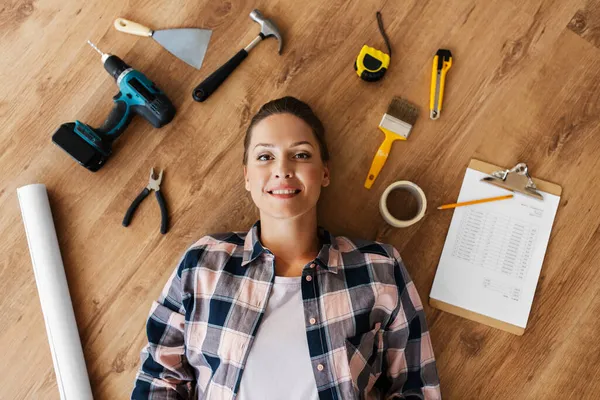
(210,84)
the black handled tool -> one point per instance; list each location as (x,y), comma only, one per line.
(210,84)
(153,184)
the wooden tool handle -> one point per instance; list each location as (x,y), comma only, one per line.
(379,160)
(127,26)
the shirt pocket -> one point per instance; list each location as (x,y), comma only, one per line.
(365,358)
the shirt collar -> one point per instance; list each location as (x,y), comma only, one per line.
(329,256)
(252,245)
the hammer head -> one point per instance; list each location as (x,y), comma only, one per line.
(267,27)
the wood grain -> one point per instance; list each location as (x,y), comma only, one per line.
(524,86)
(586,22)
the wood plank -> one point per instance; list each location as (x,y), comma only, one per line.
(586,22)
(524,87)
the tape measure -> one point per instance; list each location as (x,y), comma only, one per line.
(372,64)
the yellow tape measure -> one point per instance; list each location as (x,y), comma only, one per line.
(371,64)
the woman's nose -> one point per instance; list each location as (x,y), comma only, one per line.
(284,170)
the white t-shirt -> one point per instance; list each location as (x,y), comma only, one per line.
(278,365)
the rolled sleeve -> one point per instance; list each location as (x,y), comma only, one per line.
(164,372)
(409,362)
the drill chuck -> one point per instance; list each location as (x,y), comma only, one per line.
(115,66)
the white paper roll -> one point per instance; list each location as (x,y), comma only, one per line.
(415,191)
(61,327)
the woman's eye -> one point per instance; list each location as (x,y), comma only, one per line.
(303,156)
(264,157)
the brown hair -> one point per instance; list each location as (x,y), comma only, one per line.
(290,105)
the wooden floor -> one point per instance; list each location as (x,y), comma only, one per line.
(525,87)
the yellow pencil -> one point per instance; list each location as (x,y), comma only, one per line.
(468,203)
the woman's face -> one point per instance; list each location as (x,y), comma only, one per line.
(284,171)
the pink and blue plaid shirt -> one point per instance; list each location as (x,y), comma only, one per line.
(365,326)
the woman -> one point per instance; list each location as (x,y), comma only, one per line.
(286,310)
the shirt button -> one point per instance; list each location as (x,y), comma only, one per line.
(308,278)
(320,367)
(312,321)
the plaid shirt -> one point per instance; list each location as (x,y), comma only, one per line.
(365,325)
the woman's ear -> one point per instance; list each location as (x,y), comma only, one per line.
(246,181)
(326,180)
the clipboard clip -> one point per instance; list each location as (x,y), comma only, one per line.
(516,179)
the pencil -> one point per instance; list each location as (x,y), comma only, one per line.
(468,203)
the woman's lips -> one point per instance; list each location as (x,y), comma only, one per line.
(284,193)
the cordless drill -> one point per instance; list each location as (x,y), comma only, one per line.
(91,147)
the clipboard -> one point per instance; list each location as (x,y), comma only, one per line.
(516,179)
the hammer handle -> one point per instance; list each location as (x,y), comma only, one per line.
(210,84)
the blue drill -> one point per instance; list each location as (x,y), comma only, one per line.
(91,147)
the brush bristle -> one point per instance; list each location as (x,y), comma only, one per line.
(403,110)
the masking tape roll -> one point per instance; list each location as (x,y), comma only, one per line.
(415,191)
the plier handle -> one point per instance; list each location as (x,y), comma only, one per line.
(153,184)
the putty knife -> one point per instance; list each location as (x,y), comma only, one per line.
(187,44)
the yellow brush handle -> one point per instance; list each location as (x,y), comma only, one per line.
(379,160)
(127,26)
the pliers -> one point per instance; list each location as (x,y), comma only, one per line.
(153,184)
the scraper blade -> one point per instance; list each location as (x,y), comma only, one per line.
(187,44)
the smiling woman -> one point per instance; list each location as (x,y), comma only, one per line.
(287,310)
(285,167)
